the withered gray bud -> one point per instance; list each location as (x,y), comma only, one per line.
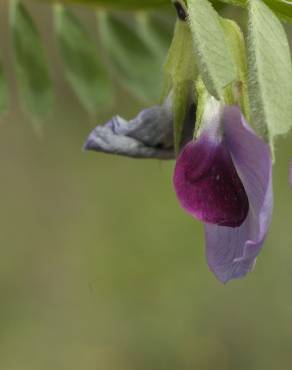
(149,135)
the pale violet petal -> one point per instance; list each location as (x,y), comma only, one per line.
(231,252)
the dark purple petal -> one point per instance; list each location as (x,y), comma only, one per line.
(207,185)
(231,252)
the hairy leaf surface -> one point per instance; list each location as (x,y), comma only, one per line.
(212,53)
(270,72)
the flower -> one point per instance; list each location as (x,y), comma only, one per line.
(149,135)
(224,179)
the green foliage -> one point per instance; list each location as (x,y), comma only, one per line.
(133,51)
(235,40)
(212,53)
(156,31)
(180,72)
(3,91)
(84,71)
(119,4)
(241,3)
(180,65)
(31,67)
(180,99)
(137,66)
(136,46)
(270,72)
(282,8)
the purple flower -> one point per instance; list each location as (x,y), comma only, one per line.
(224,179)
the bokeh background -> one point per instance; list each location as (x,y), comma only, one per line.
(100,269)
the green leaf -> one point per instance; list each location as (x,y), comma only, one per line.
(241,3)
(219,4)
(3,91)
(202,98)
(235,40)
(31,69)
(212,53)
(181,95)
(283,8)
(84,70)
(180,63)
(135,64)
(119,4)
(180,75)
(270,72)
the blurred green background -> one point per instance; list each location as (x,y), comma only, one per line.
(100,269)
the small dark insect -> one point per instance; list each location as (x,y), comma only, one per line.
(181,12)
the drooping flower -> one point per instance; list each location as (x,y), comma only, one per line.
(224,179)
(149,135)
